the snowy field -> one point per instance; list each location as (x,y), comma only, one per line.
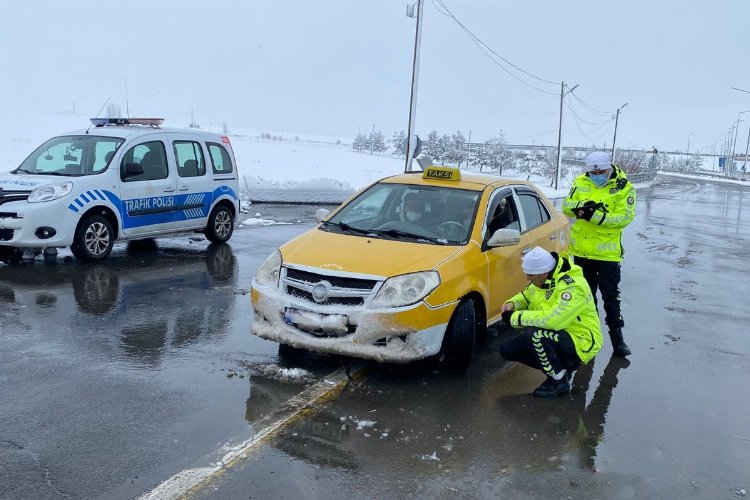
(297,162)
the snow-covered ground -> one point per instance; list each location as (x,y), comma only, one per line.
(291,163)
(286,165)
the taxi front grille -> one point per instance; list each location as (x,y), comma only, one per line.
(8,215)
(6,234)
(336,281)
(337,301)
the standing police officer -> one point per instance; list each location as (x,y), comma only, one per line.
(603,202)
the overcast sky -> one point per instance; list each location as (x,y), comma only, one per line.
(337,67)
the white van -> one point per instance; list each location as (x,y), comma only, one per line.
(121,179)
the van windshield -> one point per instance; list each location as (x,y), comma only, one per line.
(424,214)
(71,155)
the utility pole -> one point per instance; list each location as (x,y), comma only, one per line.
(372,137)
(747,145)
(410,139)
(736,130)
(559,133)
(614,139)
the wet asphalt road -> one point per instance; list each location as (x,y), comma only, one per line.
(115,377)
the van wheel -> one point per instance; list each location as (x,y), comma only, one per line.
(220,225)
(458,343)
(93,240)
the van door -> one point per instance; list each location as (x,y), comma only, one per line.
(147,188)
(193,199)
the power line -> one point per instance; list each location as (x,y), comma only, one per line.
(443,9)
(578,125)
(593,110)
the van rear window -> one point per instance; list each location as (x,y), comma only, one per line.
(222,162)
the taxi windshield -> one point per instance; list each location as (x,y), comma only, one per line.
(71,156)
(422,214)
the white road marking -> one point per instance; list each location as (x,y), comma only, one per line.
(194,479)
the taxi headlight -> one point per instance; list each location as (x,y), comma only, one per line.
(406,290)
(50,192)
(268,272)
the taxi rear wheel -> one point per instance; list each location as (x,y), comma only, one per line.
(220,225)
(458,343)
(93,239)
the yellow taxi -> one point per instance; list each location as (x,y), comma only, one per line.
(413,266)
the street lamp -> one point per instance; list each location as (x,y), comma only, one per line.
(734,143)
(688,146)
(614,139)
(559,131)
(410,140)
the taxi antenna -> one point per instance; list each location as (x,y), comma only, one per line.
(97,115)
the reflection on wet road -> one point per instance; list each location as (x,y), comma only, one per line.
(668,423)
(115,377)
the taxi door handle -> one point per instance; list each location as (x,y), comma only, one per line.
(184,188)
(169,190)
(553,236)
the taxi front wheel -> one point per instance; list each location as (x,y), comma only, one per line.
(93,240)
(458,343)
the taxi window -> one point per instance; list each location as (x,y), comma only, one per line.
(423,214)
(534,212)
(222,163)
(503,214)
(189,157)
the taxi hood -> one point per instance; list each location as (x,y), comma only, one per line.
(27,182)
(360,254)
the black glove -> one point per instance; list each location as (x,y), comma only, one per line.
(506,317)
(586,211)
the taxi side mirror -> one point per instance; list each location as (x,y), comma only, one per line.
(504,238)
(321,214)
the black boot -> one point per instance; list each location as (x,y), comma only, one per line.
(552,388)
(619,347)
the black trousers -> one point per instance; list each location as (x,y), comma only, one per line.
(604,276)
(546,350)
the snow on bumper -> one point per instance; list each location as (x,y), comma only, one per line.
(398,335)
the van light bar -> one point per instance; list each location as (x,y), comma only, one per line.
(152,122)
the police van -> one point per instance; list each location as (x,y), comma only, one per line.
(120,179)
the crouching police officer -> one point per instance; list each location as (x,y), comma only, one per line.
(603,202)
(558,312)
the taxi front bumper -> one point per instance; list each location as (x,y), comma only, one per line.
(397,335)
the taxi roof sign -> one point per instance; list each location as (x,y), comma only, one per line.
(442,173)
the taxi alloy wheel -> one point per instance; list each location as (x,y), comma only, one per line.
(458,343)
(220,225)
(93,240)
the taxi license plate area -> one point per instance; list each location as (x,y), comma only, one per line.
(316,323)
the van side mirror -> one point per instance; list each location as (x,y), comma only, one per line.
(132,169)
(321,214)
(504,238)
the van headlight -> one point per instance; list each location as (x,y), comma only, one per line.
(268,272)
(406,290)
(50,192)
